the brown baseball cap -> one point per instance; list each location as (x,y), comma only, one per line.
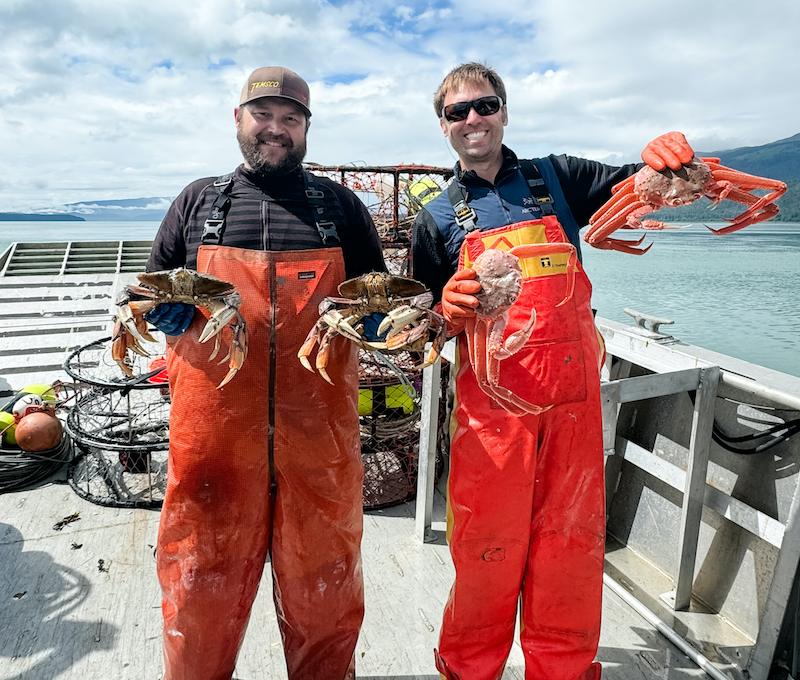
(276,81)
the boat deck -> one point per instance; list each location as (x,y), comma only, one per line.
(687,520)
(81,600)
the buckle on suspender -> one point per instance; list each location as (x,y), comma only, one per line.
(326,229)
(545,204)
(465,216)
(314,193)
(212,231)
(215,224)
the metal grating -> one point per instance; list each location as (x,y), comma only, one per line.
(74,257)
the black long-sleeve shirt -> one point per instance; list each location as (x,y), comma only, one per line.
(267,215)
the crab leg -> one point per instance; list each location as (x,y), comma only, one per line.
(238,350)
(615,211)
(438,343)
(323,354)
(487,372)
(768,212)
(314,336)
(756,212)
(516,341)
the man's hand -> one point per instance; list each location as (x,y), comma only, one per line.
(669,150)
(459,301)
(171,318)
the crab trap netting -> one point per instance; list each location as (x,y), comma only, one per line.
(389,417)
(393,196)
(390,387)
(120,427)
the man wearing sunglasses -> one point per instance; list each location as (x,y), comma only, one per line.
(526,508)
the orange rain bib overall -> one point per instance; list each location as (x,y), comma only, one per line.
(268,465)
(526,508)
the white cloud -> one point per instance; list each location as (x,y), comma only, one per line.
(120,100)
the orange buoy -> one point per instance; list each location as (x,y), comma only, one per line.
(39,431)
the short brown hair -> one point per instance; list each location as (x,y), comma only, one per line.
(473,73)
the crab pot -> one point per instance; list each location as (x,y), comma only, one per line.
(120,429)
(389,413)
(119,479)
(387,480)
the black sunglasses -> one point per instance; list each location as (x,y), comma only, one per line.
(485,106)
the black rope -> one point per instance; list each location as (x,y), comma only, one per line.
(24,469)
(789,429)
(726,442)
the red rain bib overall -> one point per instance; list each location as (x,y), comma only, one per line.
(268,465)
(526,508)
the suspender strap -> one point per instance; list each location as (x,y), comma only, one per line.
(459,198)
(539,192)
(215,224)
(466,217)
(319,211)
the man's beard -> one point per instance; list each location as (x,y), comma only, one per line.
(258,162)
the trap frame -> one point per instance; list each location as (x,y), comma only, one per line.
(390,388)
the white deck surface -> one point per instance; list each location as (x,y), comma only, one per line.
(83,602)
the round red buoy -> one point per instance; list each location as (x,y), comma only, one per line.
(39,431)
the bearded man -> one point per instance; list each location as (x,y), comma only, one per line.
(269,465)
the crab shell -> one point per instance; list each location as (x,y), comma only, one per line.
(673,188)
(500,276)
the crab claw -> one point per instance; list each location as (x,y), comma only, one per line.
(316,336)
(335,320)
(238,350)
(401,316)
(621,246)
(396,320)
(120,342)
(221,314)
(132,321)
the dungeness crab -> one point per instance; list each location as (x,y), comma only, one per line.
(408,318)
(189,287)
(500,276)
(648,190)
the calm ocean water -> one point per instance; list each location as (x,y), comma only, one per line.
(738,294)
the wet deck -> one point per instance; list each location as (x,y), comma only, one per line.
(83,601)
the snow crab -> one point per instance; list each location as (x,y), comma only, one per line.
(219,297)
(500,276)
(648,190)
(405,327)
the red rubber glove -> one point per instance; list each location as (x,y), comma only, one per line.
(459,301)
(669,150)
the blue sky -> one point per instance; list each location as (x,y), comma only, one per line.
(135,98)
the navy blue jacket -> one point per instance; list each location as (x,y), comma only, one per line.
(578,187)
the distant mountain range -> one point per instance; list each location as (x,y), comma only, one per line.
(776,160)
(121,210)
